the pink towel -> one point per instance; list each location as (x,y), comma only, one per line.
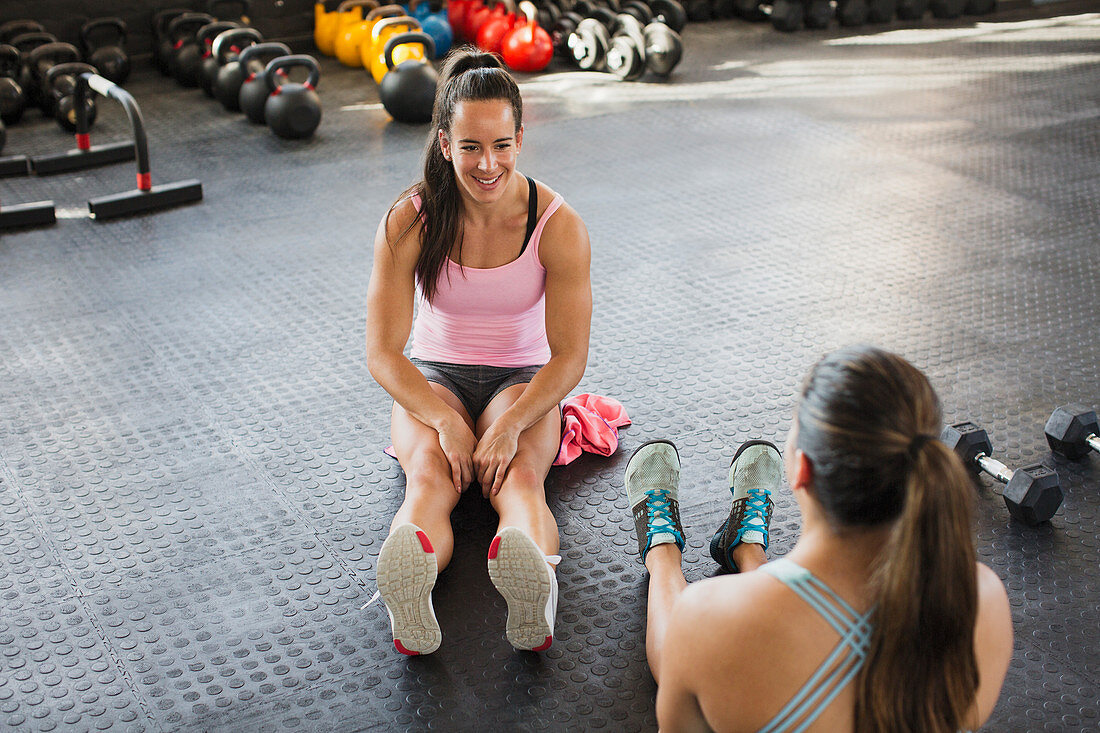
(591,423)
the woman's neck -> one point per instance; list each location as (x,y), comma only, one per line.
(842,560)
(479,215)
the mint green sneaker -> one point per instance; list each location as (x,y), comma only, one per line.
(652,486)
(756,471)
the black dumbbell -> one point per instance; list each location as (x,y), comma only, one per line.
(1073,431)
(626,55)
(1031,493)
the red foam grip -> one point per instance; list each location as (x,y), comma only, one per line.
(144,181)
(83,140)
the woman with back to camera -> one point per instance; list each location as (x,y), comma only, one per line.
(880,619)
(498,266)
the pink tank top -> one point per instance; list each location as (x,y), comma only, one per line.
(492,316)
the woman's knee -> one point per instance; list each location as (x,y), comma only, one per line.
(427,470)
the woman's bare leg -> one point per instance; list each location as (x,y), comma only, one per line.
(430,496)
(666,583)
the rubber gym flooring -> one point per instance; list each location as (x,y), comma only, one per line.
(193,491)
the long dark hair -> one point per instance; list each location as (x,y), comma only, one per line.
(467,75)
(868,422)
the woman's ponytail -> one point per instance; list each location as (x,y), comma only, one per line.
(866,421)
(920,673)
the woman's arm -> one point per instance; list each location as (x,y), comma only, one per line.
(389,321)
(992,643)
(684,649)
(565,253)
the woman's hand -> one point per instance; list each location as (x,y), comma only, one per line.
(494,453)
(458,443)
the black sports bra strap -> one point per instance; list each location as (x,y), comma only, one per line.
(532,211)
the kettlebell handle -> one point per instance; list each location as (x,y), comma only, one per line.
(163,18)
(9,59)
(118,24)
(53,50)
(210,31)
(283,62)
(347,5)
(409,37)
(274,49)
(14,28)
(386,11)
(225,39)
(73,69)
(376,31)
(186,25)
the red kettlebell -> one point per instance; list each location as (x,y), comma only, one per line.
(456,16)
(492,32)
(475,18)
(527,47)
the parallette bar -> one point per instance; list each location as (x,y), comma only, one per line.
(39,213)
(14,165)
(79,159)
(138,201)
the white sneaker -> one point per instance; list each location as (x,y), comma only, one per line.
(406,576)
(522,575)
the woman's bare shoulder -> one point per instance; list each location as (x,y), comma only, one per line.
(397,230)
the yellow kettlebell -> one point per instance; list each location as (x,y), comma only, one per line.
(325,22)
(366,49)
(381,32)
(352,31)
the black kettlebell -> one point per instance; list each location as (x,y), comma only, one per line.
(104,41)
(186,56)
(60,86)
(162,45)
(254,91)
(40,61)
(228,48)
(12,99)
(26,78)
(408,90)
(227,51)
(293,110)
(14,28)
(208,65)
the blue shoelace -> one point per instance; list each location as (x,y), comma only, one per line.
(659,515)
(756,506)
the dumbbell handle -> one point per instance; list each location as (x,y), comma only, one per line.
(994,468)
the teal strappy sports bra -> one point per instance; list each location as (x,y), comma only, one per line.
(840,667)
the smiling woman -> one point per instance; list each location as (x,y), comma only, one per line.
(497,267)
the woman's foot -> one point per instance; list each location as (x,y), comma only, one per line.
(652,486)
(523,575)
(406,576)
(755,472)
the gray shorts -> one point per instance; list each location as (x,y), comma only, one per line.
(474,385)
